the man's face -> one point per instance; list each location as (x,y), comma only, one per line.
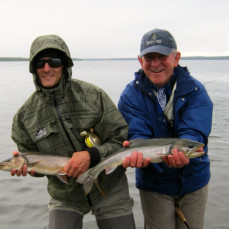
(50,73)
(159,68)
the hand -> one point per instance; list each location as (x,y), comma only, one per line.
(78,164)
(176,160)
(136,159)
(22,171)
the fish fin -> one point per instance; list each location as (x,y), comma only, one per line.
(62,175)
(32,164)
(86,180)
(81,179)
(87,186)
(62,171)
(63,178)
(100,189)
(110,169)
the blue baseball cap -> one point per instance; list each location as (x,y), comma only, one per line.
(159,41)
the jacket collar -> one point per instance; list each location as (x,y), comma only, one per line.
(185,82)
(58,91)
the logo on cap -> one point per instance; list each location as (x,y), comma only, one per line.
(154,40)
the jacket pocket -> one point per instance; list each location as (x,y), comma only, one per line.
(45,136)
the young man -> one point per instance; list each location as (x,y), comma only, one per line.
(50,122)
(164,100)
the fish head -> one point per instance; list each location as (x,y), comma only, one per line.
(12,163)
(189,148)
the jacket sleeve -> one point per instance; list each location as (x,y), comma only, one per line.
(111,128)
(194,120)
(20,136)
(132,110)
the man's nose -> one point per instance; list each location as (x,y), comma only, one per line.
(155,61)
(46,67)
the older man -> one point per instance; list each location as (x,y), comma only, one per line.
(164,100)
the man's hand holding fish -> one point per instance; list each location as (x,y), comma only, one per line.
(175,160)
(78,164)
(23,171)
(135,160)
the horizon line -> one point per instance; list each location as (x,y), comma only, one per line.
(116,58)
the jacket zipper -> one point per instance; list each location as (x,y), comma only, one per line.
(66,132)
(61,121)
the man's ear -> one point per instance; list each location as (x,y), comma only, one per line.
(140,60)
(177,59)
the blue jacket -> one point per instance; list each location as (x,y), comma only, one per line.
(192,109)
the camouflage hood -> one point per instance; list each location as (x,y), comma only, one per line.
(50,42)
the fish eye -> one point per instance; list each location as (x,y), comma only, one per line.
(191,146)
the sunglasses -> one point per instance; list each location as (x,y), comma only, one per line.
(53,63)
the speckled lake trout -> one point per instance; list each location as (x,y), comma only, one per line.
(42,164)
(150,148)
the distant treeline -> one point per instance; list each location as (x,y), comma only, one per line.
(205,58)
(13,59)
(94,59)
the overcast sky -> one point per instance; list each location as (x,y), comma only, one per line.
(114,28)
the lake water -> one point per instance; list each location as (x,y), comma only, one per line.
(23,201)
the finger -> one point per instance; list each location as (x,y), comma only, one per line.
(76,174)
(13,172)
(176,159)
(166,161)
(126,144)
(15,153)
(126,162)
(133,160)
(24,170)
(70,172)
(67,166)
(19,172)
(32,172)
(146,162)
(139,161)
(171,161)
(183,159)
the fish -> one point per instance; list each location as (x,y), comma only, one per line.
(42,164)
(151,148)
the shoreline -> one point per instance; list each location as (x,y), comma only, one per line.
(123,59)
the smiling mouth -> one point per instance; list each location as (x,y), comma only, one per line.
(47,77)
(157,71)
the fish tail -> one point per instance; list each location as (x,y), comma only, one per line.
(87,185)
(86,180)
(81,179)
(100,189)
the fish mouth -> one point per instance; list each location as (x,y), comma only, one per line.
(194,151)
(5,162)
(196,154)
(2,165)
